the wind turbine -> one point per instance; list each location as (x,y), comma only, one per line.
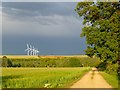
(31,50)
(28,50)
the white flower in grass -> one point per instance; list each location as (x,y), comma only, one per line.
(46,85)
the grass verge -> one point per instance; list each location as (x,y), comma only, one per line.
(111,80)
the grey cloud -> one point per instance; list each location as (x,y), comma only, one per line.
(28,18)
(38,11)
(38,8)
(53,26)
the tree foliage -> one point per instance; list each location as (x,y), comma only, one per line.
(101,28)
(6,62)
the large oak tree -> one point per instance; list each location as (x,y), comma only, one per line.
(101,29)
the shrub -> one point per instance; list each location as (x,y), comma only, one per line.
(9,63)
(112,68)
(6,62)
(102,66)
(75,62)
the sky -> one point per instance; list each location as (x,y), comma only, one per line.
(0,28)
(52,27)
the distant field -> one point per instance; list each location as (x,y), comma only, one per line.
(42,56)
(41,77)
(19,56)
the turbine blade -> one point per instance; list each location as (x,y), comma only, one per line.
(27,46)
(26,49)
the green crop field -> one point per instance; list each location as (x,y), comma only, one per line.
(41,77)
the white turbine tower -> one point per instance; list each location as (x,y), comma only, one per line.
(28,50)
(31,50)
(37,52)
(34,51)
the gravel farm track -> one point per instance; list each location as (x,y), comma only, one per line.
(92,79)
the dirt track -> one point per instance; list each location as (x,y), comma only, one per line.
(91,80)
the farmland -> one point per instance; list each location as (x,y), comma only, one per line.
(37,72)
(41,77)
(49,71)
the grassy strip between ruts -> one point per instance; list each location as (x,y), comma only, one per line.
(112,80)
(41,77)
